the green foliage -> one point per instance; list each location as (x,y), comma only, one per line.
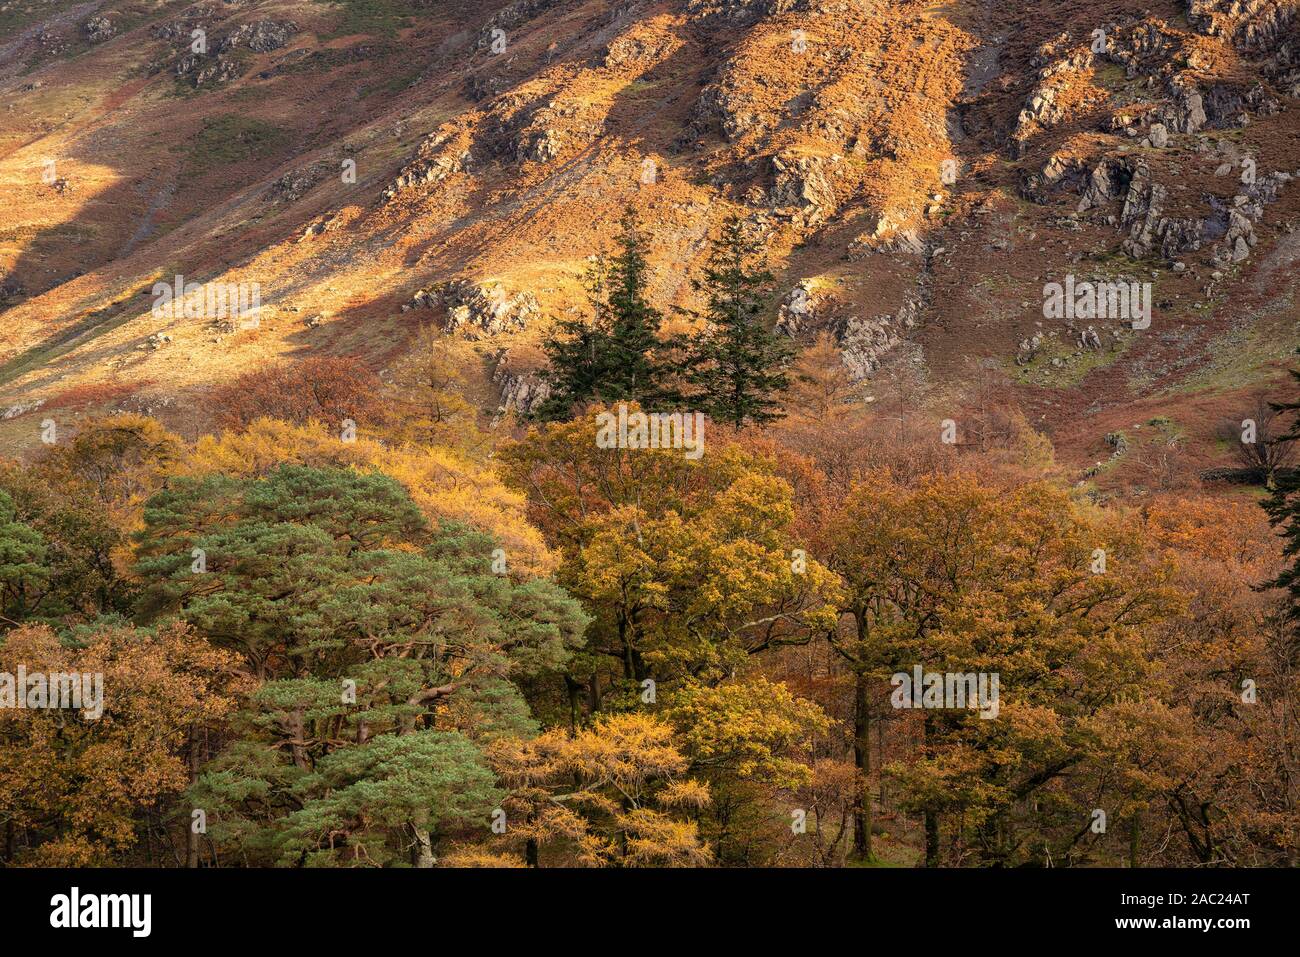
(738,367)
(23,572)
(374,632)
(232,138)
(355,806)
(284,556)
(372,17)
(56,554)
(617,356)
(322,568)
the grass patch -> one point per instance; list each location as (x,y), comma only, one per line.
(640,86)
(369,52)
(394,85)
(1073,369)
(1242,358)
(888,850)
(95,324)
(371,17)
(229,139)
(18,15)
(47,238)
(1110,76)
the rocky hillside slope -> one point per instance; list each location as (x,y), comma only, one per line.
(919,173)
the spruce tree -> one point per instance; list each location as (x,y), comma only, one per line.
(614,357)
(738,368)
(576,352)
(633,372)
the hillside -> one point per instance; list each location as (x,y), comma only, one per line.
(917,172)
(659,433)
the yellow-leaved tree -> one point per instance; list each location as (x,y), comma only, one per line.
(1057,600)
(616,793)
(75,783)
(688,566)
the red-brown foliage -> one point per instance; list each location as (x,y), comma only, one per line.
(329,389)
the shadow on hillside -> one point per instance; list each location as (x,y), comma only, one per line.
(135,226)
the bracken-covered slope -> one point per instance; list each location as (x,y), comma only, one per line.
(918,173)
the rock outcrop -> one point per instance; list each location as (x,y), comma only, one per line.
(98,29)
(521,391)
(263,36)
(477,309)
(801,190)
(442,154)
(865,342)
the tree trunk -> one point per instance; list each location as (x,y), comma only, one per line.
(931,839)
(298,743)
(422,852)
(574,690)
(862,762)
(629,670)
(880,762)
(192,838)
(931,817)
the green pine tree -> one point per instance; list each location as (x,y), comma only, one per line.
(24,565)
(617,356)
(739,367)
(387,651)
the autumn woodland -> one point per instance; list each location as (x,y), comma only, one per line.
(852,436)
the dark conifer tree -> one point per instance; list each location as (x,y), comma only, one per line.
(617,356)
(738,368)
